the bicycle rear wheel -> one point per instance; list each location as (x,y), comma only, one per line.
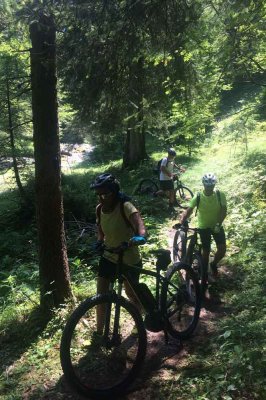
(181,300)
(97,366)
(147,187)
(183,196)
(179,246)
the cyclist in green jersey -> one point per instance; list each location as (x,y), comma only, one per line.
(211,212)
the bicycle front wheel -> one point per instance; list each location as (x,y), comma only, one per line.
(179,246)
(200,271)
(183,196)
(103,366)
(181,300)
(147,187)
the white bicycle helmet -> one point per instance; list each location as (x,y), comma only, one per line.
(209,179)
(171,152)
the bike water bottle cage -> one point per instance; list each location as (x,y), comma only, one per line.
(163,258)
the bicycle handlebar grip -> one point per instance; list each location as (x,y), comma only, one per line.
(177,226)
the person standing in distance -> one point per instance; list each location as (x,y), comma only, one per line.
(211,212)
(167,177)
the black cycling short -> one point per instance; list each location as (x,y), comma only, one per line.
(107,269)
(207,234)
(167,185)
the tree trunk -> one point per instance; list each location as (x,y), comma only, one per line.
(135,149)
(12,144)
(53,262)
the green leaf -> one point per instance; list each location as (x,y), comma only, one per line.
(227,334)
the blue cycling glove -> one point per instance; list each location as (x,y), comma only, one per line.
(138,240)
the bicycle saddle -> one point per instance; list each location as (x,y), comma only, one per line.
(163,258)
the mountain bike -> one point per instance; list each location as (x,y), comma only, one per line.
(149,186)
(187,248)
(102,366)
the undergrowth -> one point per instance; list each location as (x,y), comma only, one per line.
(232,362)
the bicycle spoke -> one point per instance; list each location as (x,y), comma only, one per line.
(99,364)
(147,187)
(183,196)
(182,300)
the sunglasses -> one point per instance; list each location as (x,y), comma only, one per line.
(104,195)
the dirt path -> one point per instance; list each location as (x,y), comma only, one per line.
(165,362)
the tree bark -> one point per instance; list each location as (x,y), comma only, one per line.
(53,263)
(135,149)
(12,143)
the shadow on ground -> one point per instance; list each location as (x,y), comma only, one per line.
(164,362)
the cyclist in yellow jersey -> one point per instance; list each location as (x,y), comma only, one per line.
(118,221)
(211,212)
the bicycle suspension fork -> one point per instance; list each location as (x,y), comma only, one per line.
(115,328)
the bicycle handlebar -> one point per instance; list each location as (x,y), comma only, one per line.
(183,226)
(99,246)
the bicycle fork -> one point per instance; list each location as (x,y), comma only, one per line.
(115,339)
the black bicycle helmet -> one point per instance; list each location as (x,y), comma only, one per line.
(171,152)
(106,180)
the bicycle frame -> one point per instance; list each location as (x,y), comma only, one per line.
(175,313)
(192,245)
(193,251)
(119,279)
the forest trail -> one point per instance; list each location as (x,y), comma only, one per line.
(74,154)
(169,362)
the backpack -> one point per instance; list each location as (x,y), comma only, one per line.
(157,170)
(122,199)
(218,194)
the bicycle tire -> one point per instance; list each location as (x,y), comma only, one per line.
(179,246)
(102,369)
(200,271)
(183,195)
(181,300)
(147,187)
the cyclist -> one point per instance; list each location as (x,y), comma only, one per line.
(118,221)
(167,177)
(211,212)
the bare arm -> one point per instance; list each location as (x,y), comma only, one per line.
(137,224)
(186,214)
(180,167)
(100,234)
(223,214)
(166,172)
